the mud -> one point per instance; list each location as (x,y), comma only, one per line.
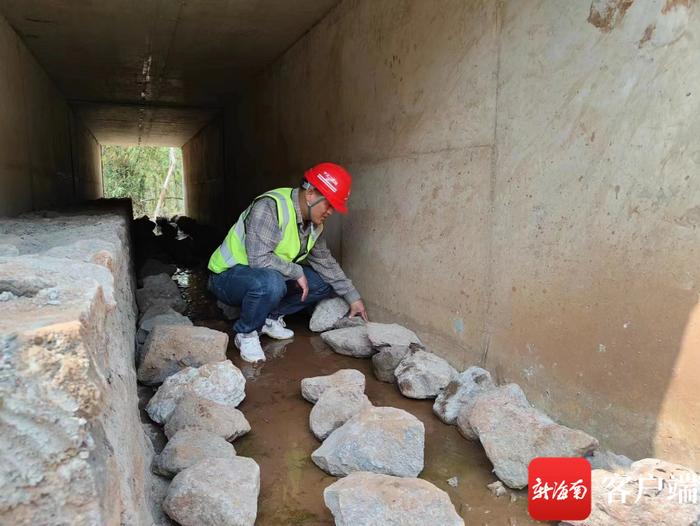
(281,442)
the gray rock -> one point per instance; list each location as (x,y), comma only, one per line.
(327,313)
(345,322)
(460,392)
(511,392)
(378,439)
(370,499)
(385,334)
(153,267)
(422,374)
(195,412)
(497,488)
(215,491)
(230,312)
(513,434)
(159,316)
(609,461)
(170,348)
(350,341)
(159,290)
(8,251)
(220,382)
(385,362)
(335,407)
(6,295)
(660,502)
(312,388)
(189,446)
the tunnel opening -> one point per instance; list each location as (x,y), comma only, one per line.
(150,176)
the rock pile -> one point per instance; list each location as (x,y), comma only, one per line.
(196,403)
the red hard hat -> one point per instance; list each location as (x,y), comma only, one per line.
(333,181)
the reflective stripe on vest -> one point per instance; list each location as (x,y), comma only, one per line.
(232,251)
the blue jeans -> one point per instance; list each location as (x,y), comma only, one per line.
(263,293)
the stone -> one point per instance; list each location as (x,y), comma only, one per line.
(153,267)
(170,348)
(453,482)
(159,316)
(327,313)
(422,374)
(604,459)
(159,290)
(335,407)
(8,251)
(220,382)
(312,388)
(660,501)
(230,312)
(189,446)
(346,322)
(390,334)
(195,412)
(385,362)
(369,499)
(513,434)
(460,392)
(215,491)
(511,392)
(378,439)
(350,341)
(497,488)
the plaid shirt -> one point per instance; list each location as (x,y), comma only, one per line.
(263,234)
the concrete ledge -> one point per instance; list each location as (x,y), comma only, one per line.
(73,448)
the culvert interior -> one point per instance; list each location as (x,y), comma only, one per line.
(524,172)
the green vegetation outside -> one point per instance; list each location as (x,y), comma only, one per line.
(139,172)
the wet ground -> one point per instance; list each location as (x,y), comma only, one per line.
(281,443)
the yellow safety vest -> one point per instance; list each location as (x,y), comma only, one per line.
(232,251)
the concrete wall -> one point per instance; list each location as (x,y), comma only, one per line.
(523,191)
(36,164)
(204,176)
(74,451)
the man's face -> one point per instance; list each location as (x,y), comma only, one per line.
(321,211)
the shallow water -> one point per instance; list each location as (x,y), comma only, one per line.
(281,442)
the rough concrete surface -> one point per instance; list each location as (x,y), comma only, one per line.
(73,448)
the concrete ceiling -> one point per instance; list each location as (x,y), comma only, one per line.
(145,53)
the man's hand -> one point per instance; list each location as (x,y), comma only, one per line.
(304,286)
(358,308)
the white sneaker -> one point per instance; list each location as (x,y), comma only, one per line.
(276,329)
(249,345)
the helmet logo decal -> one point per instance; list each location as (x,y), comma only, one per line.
(330,181)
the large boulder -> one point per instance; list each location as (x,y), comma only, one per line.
(159,315)
(512,393)
(170,348)
(159,290)
(422,374)
(327,313)
(385,362)
(312,388)
(335,407)
(369,499)
(378,439)
(195,412)
(461,392)
(189,446)
(513,434)
(390,334)
(350,341)
(215,491)
(652,491)
(220,382)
